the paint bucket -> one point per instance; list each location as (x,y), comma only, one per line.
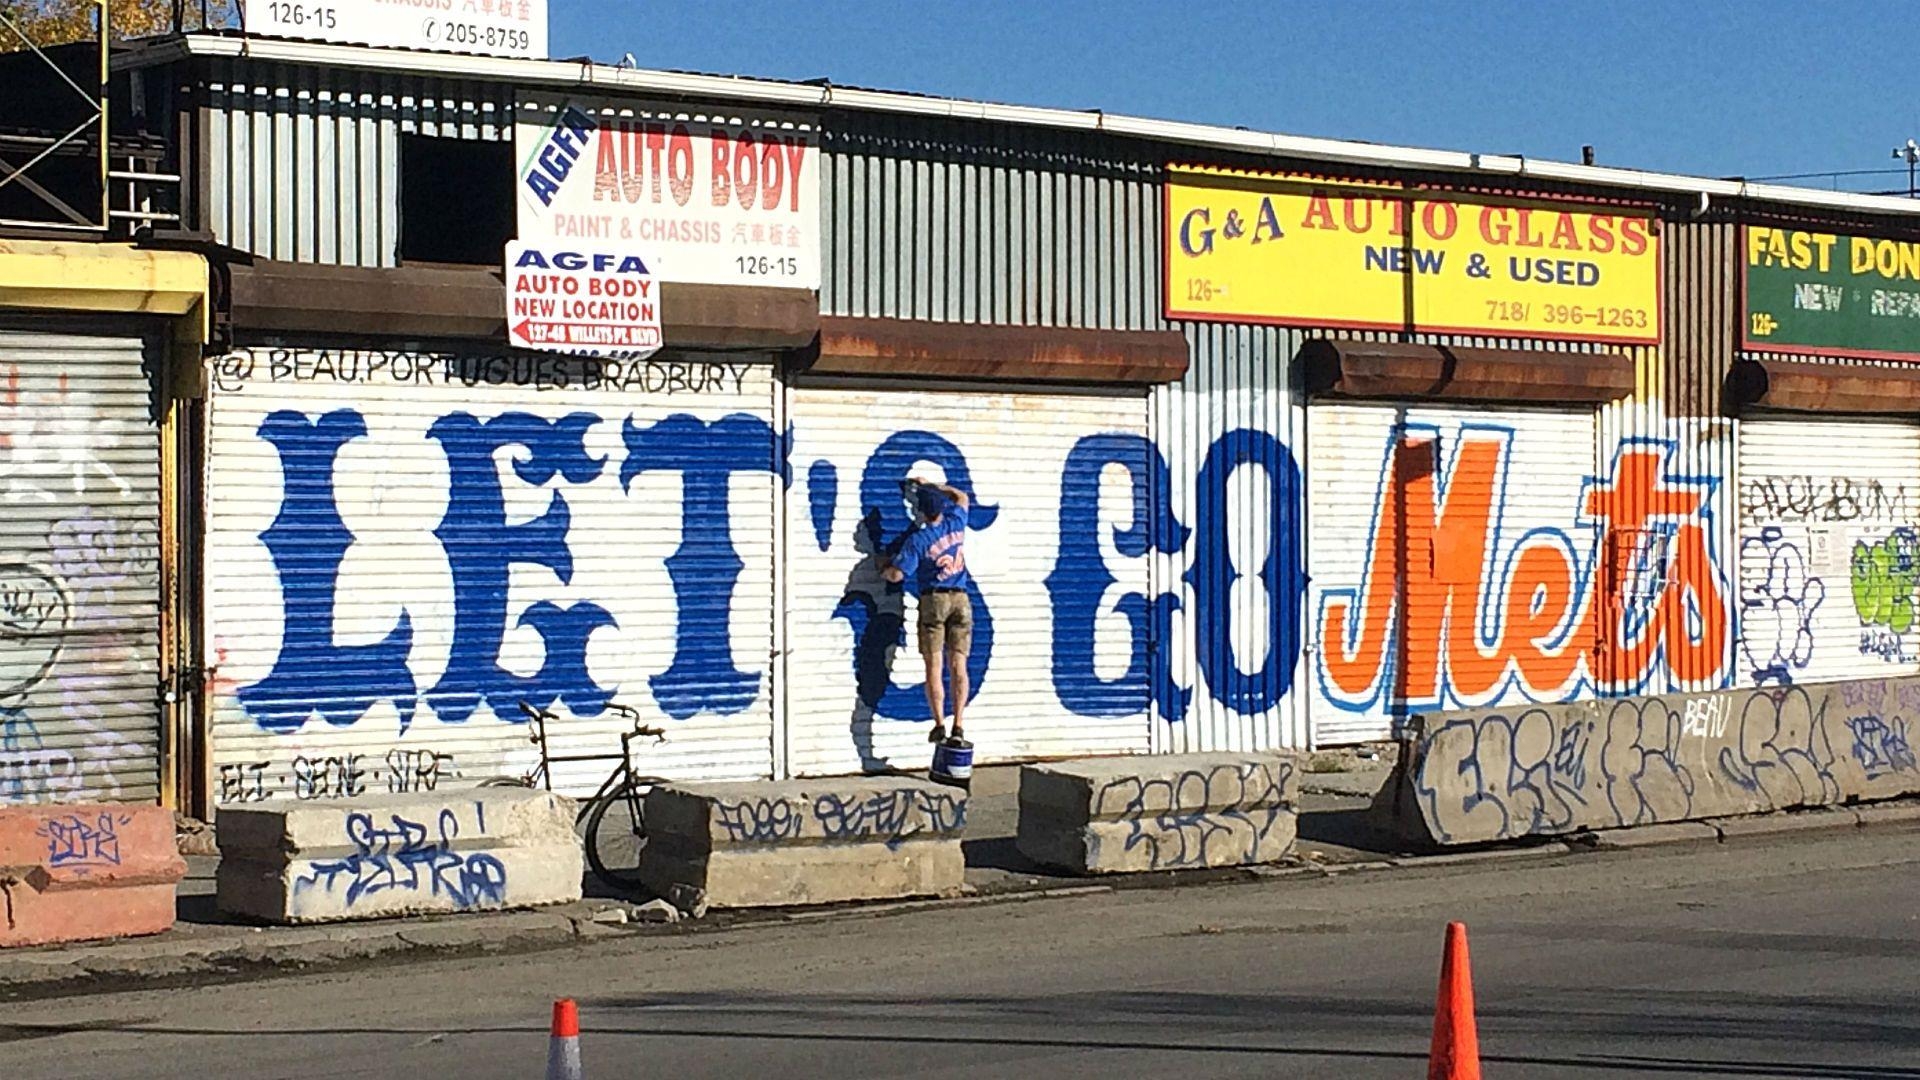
(953,763)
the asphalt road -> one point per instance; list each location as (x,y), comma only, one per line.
(1790,957)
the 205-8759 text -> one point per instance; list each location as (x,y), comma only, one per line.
(466,33)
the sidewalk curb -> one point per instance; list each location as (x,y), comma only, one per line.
(1640,836)
(1775,824)
(150,963)
(935,903)
(179,959)
(1887,813)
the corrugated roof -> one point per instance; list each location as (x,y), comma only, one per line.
(581,73)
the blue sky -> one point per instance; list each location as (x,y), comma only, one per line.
(1710,87)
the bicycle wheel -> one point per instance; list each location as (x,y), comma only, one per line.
(615,834)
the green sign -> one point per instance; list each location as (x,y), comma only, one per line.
(1812,292)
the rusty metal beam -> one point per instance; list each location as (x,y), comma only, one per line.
(850,346)
(1823,388)
(437,302)
(1368,369)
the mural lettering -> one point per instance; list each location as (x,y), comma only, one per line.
(483,548)
(307,541)
(706,566)
(1453,611)
(876,618)
(1213,573)
(1080,581)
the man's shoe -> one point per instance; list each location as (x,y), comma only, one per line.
(938,734)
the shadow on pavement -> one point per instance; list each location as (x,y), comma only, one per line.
(1207,1024)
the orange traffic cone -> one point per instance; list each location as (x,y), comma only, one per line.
(1456,1045)
(563,1045)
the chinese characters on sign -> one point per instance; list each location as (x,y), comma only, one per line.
(1299,251)
(720,200)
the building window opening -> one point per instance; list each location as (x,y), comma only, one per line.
(456,200)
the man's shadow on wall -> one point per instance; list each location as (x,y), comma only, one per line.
(876,611)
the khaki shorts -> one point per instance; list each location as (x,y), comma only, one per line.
(946,621)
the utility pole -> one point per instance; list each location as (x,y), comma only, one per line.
(1910,152)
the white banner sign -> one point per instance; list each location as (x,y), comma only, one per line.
(493,27)
(591,301)
(721,200)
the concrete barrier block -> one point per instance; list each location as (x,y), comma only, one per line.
(1176,811)
(82,872)
(1503,773)
(776,844)
(483,849)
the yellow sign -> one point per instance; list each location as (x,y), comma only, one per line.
(1295,251)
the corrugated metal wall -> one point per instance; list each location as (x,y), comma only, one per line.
(1449,565)
(79,569)
(406,546)
(1056,547)
(1680,400)
(957,222)
(304,163)
(1700,315)
(1829,552)
(1228,674)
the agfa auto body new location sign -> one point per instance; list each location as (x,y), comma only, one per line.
(589,301)
(705,197)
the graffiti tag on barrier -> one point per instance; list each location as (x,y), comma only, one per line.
(402,857)
(76,842)
(1202,817)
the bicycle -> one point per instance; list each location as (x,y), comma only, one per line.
(614,816)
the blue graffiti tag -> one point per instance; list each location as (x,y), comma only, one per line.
(76,842)
(1881,746)
(396,857)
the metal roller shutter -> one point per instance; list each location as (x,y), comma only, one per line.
(1829,552)
(398,557)
(79,570)
(1475,489)
(1060,666)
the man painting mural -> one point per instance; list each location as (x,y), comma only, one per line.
(932,553)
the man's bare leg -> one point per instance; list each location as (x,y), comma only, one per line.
(934,698)
(957,665)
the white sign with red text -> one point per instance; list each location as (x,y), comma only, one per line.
(588,300)
(493,27)
(714,199)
